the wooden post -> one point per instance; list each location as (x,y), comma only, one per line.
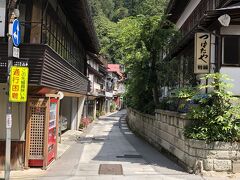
(28,130)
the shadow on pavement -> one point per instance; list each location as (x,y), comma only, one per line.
(120,148)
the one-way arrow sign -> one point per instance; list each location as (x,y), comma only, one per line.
(16,34)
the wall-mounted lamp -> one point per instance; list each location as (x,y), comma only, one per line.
(224,20)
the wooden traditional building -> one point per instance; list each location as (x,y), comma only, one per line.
(116,74)
(55,36)
(96,72)
(191,16)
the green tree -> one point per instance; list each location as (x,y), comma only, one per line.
(96,8)
(118,4)
(108,8)
(156,34)
(146,7)
(104,27)
(120,14)
(135,41)
(151,7)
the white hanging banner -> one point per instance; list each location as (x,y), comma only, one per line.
(202,53)
(2,17)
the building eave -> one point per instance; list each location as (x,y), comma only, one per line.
(210,22)
(80,15)
(95,58)
(175,9)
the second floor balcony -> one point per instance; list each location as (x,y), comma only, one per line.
(46,69)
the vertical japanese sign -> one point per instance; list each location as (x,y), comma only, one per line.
(2,17)
(202,53)
(18,84)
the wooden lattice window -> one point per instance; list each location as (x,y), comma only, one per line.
(37,123)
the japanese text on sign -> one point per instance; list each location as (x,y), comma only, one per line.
(202,53)
(18,84)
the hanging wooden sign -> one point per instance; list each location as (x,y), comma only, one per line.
(202,53)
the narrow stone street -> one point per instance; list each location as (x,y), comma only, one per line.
(110,142)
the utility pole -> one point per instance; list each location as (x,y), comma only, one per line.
(11,7)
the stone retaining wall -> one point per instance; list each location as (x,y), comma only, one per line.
(165,130)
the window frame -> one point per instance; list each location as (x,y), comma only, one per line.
(223,64)
(62,38)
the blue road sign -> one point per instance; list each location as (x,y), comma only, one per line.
(16,34)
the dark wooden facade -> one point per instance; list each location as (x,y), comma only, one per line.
(56,35)
(198,14)
(48,69)
(80,15)
(65,26)
(203,16)
(175,9)
(17,154)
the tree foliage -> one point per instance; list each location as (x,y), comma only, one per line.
(137,43)
(217,116)
(104,28)
(135,33)
(145,7)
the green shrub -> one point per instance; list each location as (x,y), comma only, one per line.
(179,99)
(216,118)
(98,114)
(184,96)
(112,107)
(186,92)
(102,113)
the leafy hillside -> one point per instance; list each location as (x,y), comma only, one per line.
(107,13)
(136,33)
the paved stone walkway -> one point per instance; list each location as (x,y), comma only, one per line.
(109,141)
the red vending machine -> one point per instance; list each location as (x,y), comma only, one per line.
(42,131)
(52,130)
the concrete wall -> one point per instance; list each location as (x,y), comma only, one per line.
(18,117)
(72,109)
(232,72)
(66,109)
(74,114)
(81,101)
(165,130)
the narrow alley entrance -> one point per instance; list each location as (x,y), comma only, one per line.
(109,150)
